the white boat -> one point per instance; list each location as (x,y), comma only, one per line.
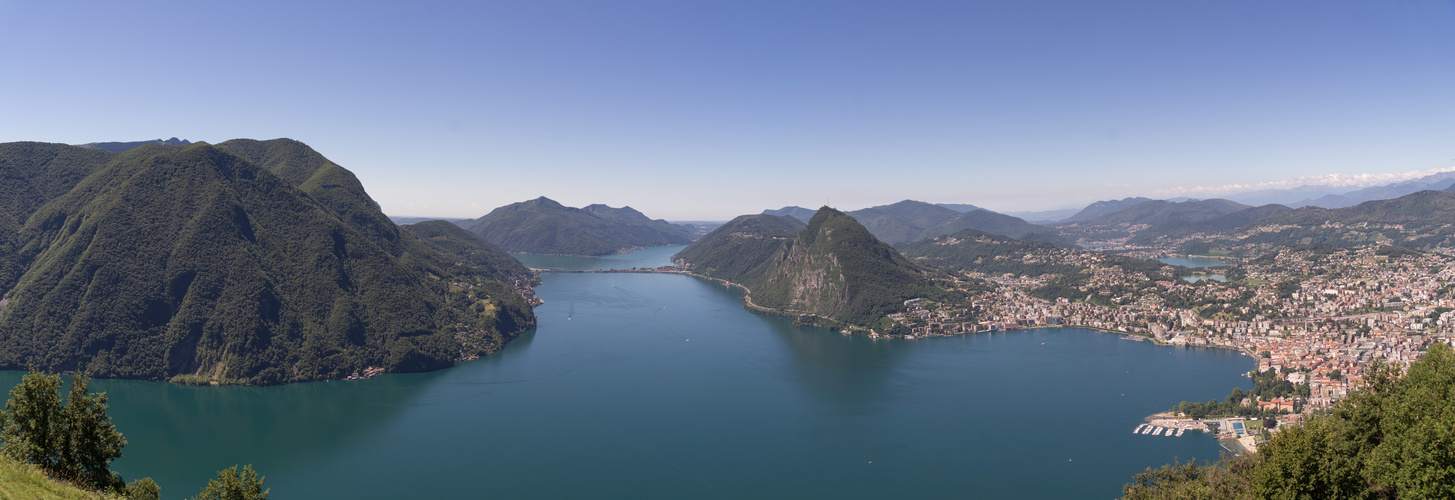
(1169,433)
(1138,429)
(1180,431)
(1148,430)
(1157,431)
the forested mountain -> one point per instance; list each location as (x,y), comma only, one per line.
(117,147)
(1101,208)
(470,249)
(1216,225)
(832,268)
(997,223)
(979,251)
(911,220)
(631,217)
(1130,221)
(543,226)
(1420,220)
(959,207)
(907,220)
(800,213)
(1159,212)
(741,250)
(244,262)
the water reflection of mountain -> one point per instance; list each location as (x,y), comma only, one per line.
(847,372)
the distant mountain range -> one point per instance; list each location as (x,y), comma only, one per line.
(1340,197)
(543,226)
(831,268)
(257,262)
(117,147)
(911,220)
(1161,212)
(1101,208)
(1419,220)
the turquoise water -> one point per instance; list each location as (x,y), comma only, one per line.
(1193,261)
(662,386)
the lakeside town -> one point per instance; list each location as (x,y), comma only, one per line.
(1318,317)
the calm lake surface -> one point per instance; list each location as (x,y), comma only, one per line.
(662,386)
(1194,261)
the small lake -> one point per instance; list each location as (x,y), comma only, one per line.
(663,386)
(1214,277)
(1194,261)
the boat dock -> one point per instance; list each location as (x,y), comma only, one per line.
(1160,430)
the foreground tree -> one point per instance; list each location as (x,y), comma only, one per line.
(232,484)
(89,442)
(32,420)
(72,439)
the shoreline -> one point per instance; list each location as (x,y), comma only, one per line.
(748,304)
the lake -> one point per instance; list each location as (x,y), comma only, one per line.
(1200,277)
(663,386)
(1194,261)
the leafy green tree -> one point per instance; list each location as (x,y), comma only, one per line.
(1314,460)
(1417,455)
(143,489)
(72,439)
(232,484)
(33,420)
(89,442)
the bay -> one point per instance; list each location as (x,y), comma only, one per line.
(663,386)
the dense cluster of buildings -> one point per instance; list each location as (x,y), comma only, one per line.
(1318,317)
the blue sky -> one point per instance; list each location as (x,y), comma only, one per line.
(694,110)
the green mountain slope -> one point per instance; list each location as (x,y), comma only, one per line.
(911,220)
(979,251)
(741,250)
(543,226)
(192,260)
(1215,225)
(832,268)
(997,223)
(1104,207)
(453,240)
(907,220)
(800,213)
(31,174)
(1420,220)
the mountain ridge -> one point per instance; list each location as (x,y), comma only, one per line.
(544,226)
(247,278)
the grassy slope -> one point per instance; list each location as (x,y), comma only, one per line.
(21,481)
